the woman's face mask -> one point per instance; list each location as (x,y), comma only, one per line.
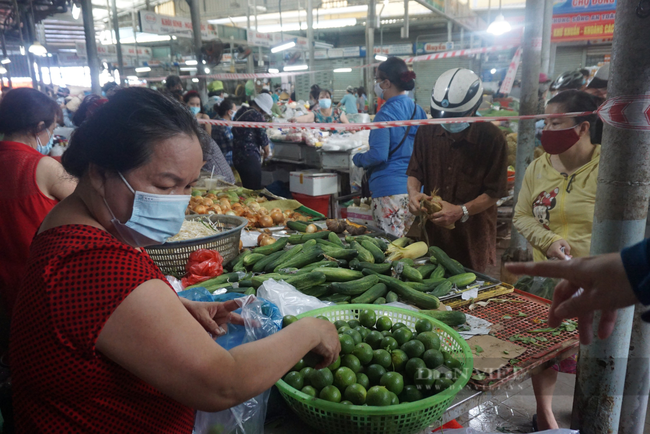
(45,149)
(325,103)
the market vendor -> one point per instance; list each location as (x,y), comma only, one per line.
(250,144)
(555,207)
(390,148)
(467,164)
(32,184)
(100,340)
(325,114)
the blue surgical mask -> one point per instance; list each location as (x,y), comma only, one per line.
(195,110)
(325,103)
(155,217)
(45,150)
(456,128)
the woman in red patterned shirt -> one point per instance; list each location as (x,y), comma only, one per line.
(100,342)
(32,184)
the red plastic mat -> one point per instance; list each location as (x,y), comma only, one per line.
(526,312)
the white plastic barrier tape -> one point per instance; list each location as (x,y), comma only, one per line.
(388,124)
(626,112)
(434,56)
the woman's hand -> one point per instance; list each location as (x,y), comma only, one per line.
(414,202)
(214,316)
(605,285)
(292,120)
(449,214)
(555,250)
(329,345)
(266,151)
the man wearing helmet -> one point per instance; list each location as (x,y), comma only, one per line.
(467,165)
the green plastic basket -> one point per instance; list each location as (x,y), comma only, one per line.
(410,417)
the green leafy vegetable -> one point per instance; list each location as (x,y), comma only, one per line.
(479,350)
(479,377)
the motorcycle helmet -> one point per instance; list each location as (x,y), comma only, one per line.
(456,93)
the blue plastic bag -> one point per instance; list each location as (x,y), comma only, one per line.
(261,319)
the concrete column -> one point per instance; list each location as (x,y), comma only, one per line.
(195,13)
(310,33)
(91,45)
(532,46)
(118,44)
(371,23)
(546,36)
(607,397)
(405,30)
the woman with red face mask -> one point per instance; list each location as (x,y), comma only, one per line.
(555,207)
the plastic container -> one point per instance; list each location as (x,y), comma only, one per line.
(407,418)
(320,204)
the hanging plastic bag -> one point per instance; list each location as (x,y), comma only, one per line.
(288,299)
(203,264)
(261,319)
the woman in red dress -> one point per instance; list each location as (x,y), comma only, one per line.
(32,184)
(100,342)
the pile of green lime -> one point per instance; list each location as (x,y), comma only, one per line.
(381,363)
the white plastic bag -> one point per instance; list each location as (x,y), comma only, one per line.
(288,299)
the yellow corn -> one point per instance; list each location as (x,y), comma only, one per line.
(413,251)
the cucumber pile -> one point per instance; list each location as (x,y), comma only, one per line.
(351,270)
(381,363)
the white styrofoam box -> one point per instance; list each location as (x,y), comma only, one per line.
(313,183)
(361,215)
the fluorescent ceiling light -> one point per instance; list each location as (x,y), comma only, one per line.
(343,70)
(195,80)
(323,45)
(295,68)
(274,71)
(261,8)
(5,61)
(191,62)
(493,71)
(37,49)
(283,47)
(132,78)
(380,57)
(293,27)
(22,50)
(143,69)
(499,26)
(75,11)
(207,70)
(189,68)
(292,14)
(3,70)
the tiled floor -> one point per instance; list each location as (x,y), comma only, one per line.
(513,412)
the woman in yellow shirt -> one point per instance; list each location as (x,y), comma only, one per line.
(555,207)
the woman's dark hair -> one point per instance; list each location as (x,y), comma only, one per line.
(172,81)
(324,91)
(191,94)
(125,130)
(578,101)
(87,107)
(226,105)
(22,109)
(314,91)
(361,90)
(395,70)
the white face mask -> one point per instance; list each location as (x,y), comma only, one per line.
(378,90)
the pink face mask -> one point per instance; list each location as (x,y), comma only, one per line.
(556,142)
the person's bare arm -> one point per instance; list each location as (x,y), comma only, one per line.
(52,179)
(451,213)
(413,186)
(309,117)
(152,335)
(344,119)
